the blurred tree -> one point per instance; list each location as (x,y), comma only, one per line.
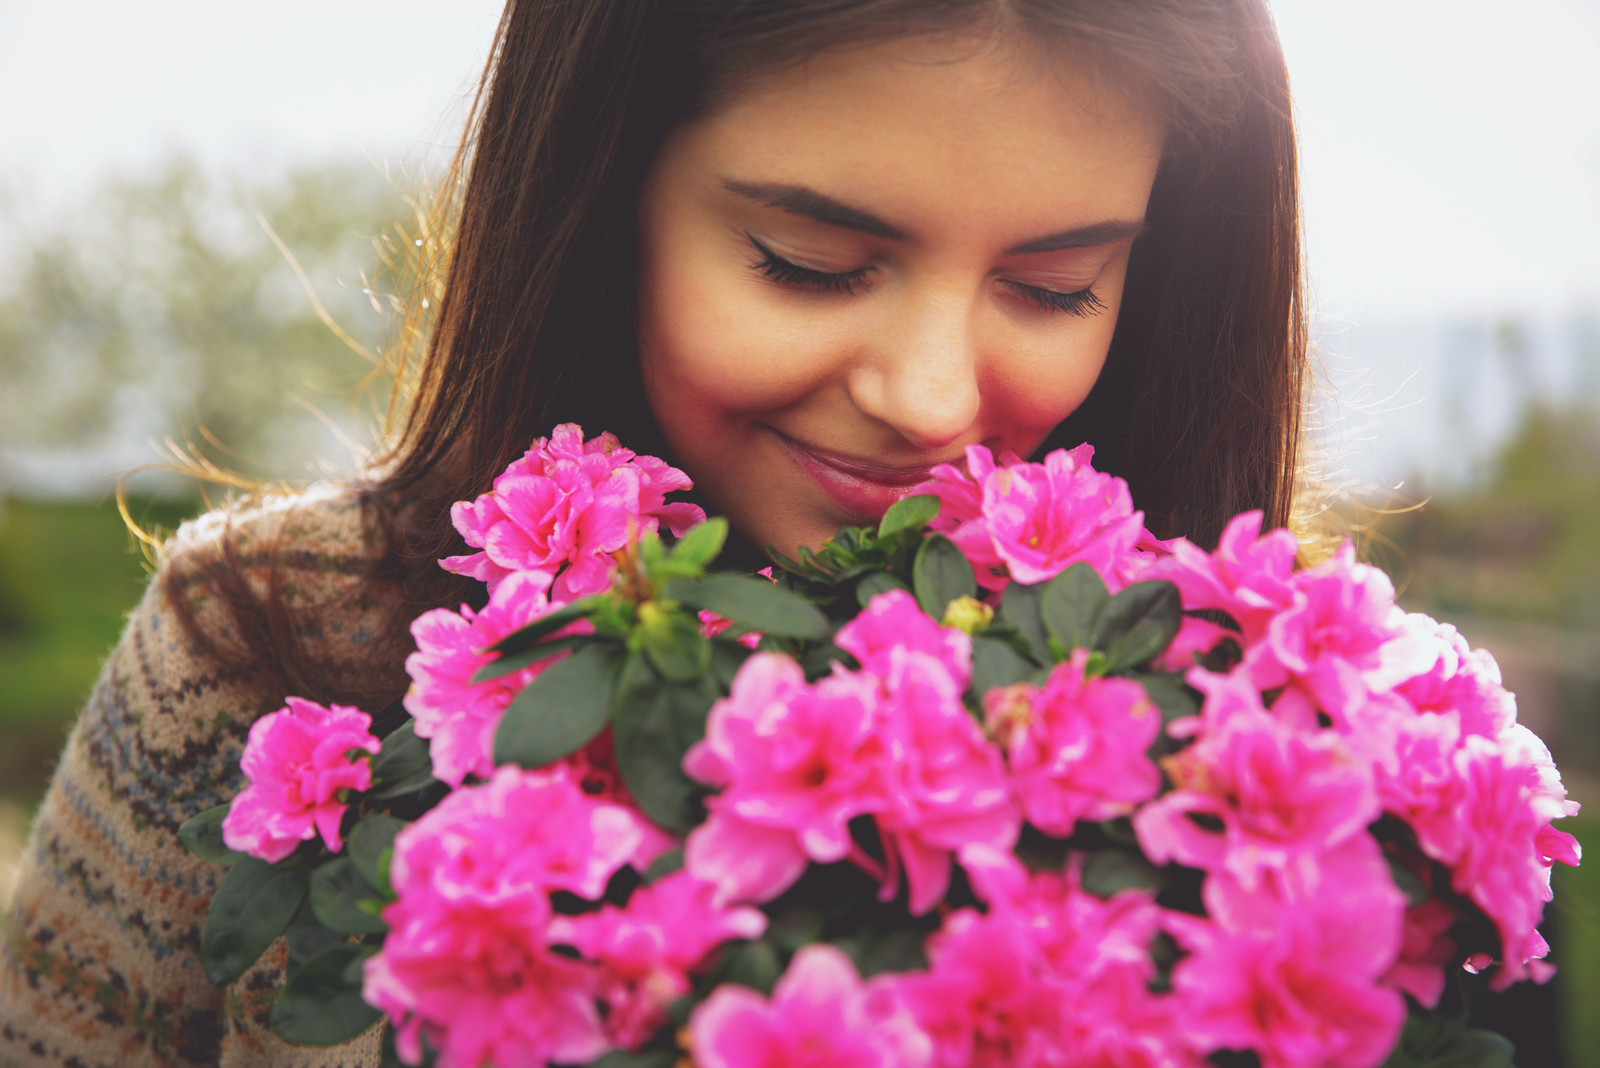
(166,300)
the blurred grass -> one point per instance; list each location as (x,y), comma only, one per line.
(69,574)
(1576,949)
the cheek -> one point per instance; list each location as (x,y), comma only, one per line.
(1033,379)
(711,340)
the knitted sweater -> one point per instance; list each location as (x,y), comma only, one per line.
(100,966)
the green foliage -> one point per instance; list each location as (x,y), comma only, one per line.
(343,900)
(370,846)
(321,1003)
(250,910)
(754,603)
(1070,606)
(561,710)
(1440,1040)
(656,721)
(941,574)
(202,836)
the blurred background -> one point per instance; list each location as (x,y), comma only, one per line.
(150,154)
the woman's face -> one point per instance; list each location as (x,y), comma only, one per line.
(856,269)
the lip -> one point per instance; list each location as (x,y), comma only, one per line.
(863,489)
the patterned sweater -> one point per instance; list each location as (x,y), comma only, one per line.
(100,965)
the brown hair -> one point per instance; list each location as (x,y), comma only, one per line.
(1199,403)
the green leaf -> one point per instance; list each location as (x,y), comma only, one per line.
(202,836)
(369,840)
(561,710)
(940,574)
(1171,695)
(908,512)
(526,637)
(1108,871)
(876,582)
(820,660)
(796,926)
(321,1003)
(701,544)
(402,756)
(1019,610)
(649,1058)
(251,909)
(655,723)
(506,665)
(1406,880)
(727,657)
(677,648)
(1138,623)
(875,951)
(1070,607)
(753,603)
(306,936)
(337,888)
(1433,1039)
(755,965)
(995,663)
(412,784)
(664,865)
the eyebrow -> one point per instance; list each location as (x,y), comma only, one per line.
(818,207)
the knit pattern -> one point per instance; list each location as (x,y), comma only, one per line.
(100,961)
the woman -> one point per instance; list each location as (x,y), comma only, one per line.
(804,250)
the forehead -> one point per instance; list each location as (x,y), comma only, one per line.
(932,130)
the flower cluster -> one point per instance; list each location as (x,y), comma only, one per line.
(1030,522)
(301,762)
(797,762)
(480,961)
(1346,784)
(564,508)
(1372,712)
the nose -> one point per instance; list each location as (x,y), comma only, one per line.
(919,372)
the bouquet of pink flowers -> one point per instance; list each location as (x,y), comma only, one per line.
(1005,781)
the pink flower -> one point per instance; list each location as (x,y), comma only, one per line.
(564,508)
(894,620)
(944,785)
(1507,848)
(1462,680)
(792,762)
(460,716)
(1076,748)
(1050,975)
(1248,576)
(299,764)
(1195,637)
(712,625)
(798,762)
(1281,797)
(1036,520)
(1342,640)
(1426,950)
(468,959)
(820,1016)
(647,949)
(1302,994)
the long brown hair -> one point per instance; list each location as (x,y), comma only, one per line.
(1200,401)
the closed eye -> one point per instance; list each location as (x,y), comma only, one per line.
(1082,303)
(785,273)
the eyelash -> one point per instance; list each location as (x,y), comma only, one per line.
(785,273)
(1083,303)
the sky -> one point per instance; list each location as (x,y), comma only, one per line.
(1451,148)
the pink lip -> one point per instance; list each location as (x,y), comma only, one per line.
(862,488)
